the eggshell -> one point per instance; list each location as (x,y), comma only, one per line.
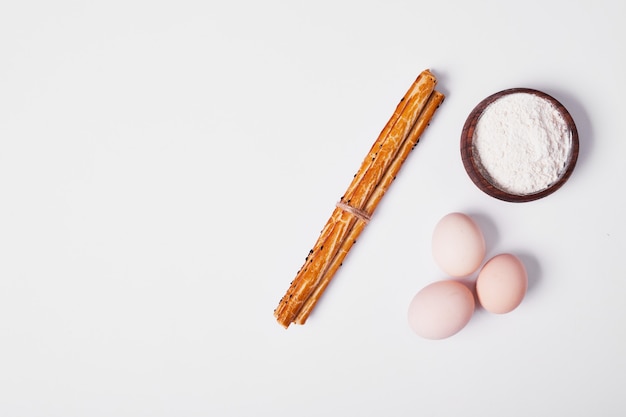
(458,245)
(502,283)
(441,309)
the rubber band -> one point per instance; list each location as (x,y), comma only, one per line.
(358,213)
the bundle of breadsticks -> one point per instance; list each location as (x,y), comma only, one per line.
(356,206)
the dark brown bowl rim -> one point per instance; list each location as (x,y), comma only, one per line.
(472,169)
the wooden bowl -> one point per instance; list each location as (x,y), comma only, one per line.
(471,163)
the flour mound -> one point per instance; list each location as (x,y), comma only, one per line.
(522,143)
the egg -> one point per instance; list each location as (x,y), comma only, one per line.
(441,309)
(458,245)
(502,283)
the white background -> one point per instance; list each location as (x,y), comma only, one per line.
(165,166)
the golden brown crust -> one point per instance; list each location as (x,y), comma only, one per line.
(390,139)
(333,244)
(420,125)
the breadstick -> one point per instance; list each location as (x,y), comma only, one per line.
(341,221)
(392,135)
(420,125)
(367,178)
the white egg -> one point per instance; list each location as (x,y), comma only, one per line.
(502,283)
(458,245)
(441,309)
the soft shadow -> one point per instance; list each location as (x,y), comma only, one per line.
(442,81)
(470,283)
(533,269)
(489,229)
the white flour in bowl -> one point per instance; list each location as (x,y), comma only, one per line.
(522,143)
